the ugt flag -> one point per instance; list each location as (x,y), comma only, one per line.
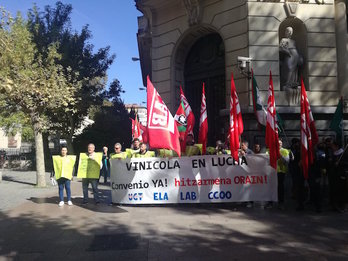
(309,136)
(161,127)
(272,139)
(203,124)
(236,122)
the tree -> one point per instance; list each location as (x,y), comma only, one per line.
(53,25)
(111,122)
(33,82)
(14,121)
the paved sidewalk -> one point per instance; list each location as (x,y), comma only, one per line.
(37,229)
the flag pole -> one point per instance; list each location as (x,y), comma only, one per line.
(342,154)
(342,125)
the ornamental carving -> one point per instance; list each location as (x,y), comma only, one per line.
(193,9)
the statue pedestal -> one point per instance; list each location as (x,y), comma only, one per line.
(293,96)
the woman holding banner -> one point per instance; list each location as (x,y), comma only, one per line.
(64,166)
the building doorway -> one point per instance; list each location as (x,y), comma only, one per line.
(205,62)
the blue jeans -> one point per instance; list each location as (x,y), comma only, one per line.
(94,183)
(63,182)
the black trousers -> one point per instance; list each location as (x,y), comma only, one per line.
(281,178)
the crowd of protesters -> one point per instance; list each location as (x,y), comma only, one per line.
(327,180)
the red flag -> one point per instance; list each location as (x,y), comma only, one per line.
(143,131)
(236,122)
(161,126)
(309,136)
(272,139)
(136,132)
(190,118)
(203,124)
(181,123)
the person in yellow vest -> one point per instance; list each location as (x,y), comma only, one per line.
(118,154)
(143,152)
(64,166)
(220,148)
(282,169)
(192,149)
(89,170)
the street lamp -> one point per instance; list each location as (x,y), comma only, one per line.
(142,88)
(135,59)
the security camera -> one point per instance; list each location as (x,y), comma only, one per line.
(243,63)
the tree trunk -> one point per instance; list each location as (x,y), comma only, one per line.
(70,145)
(40,160)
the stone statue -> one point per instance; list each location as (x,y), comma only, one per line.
(290,61)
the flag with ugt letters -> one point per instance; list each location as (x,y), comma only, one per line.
(309,136)
(272,139)
(203,124)
(236,122)
(161,127)
(190,118)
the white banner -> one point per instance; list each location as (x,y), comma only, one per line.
(198,179)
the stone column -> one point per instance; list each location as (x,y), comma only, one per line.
(341,46)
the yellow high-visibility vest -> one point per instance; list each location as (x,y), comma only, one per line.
(63,166)
(148,154)
(131,152)
(90,167)
(211,151)
(281,166)
(200,146)
(164,153)
(121,155)
(192,150)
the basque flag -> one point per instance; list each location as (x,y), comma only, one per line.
(203,124)
(161,126)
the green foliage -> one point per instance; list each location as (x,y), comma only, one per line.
(109,127)
(53,25)
(29,80)
(14,121)
(111,123)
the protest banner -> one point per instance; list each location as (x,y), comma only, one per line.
(197,179)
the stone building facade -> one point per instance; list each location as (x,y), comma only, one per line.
(188,42)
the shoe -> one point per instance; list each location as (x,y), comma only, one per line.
(85,202)
(97,202)
(70,203)
(61,203)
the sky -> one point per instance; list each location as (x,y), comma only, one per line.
(113,23)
